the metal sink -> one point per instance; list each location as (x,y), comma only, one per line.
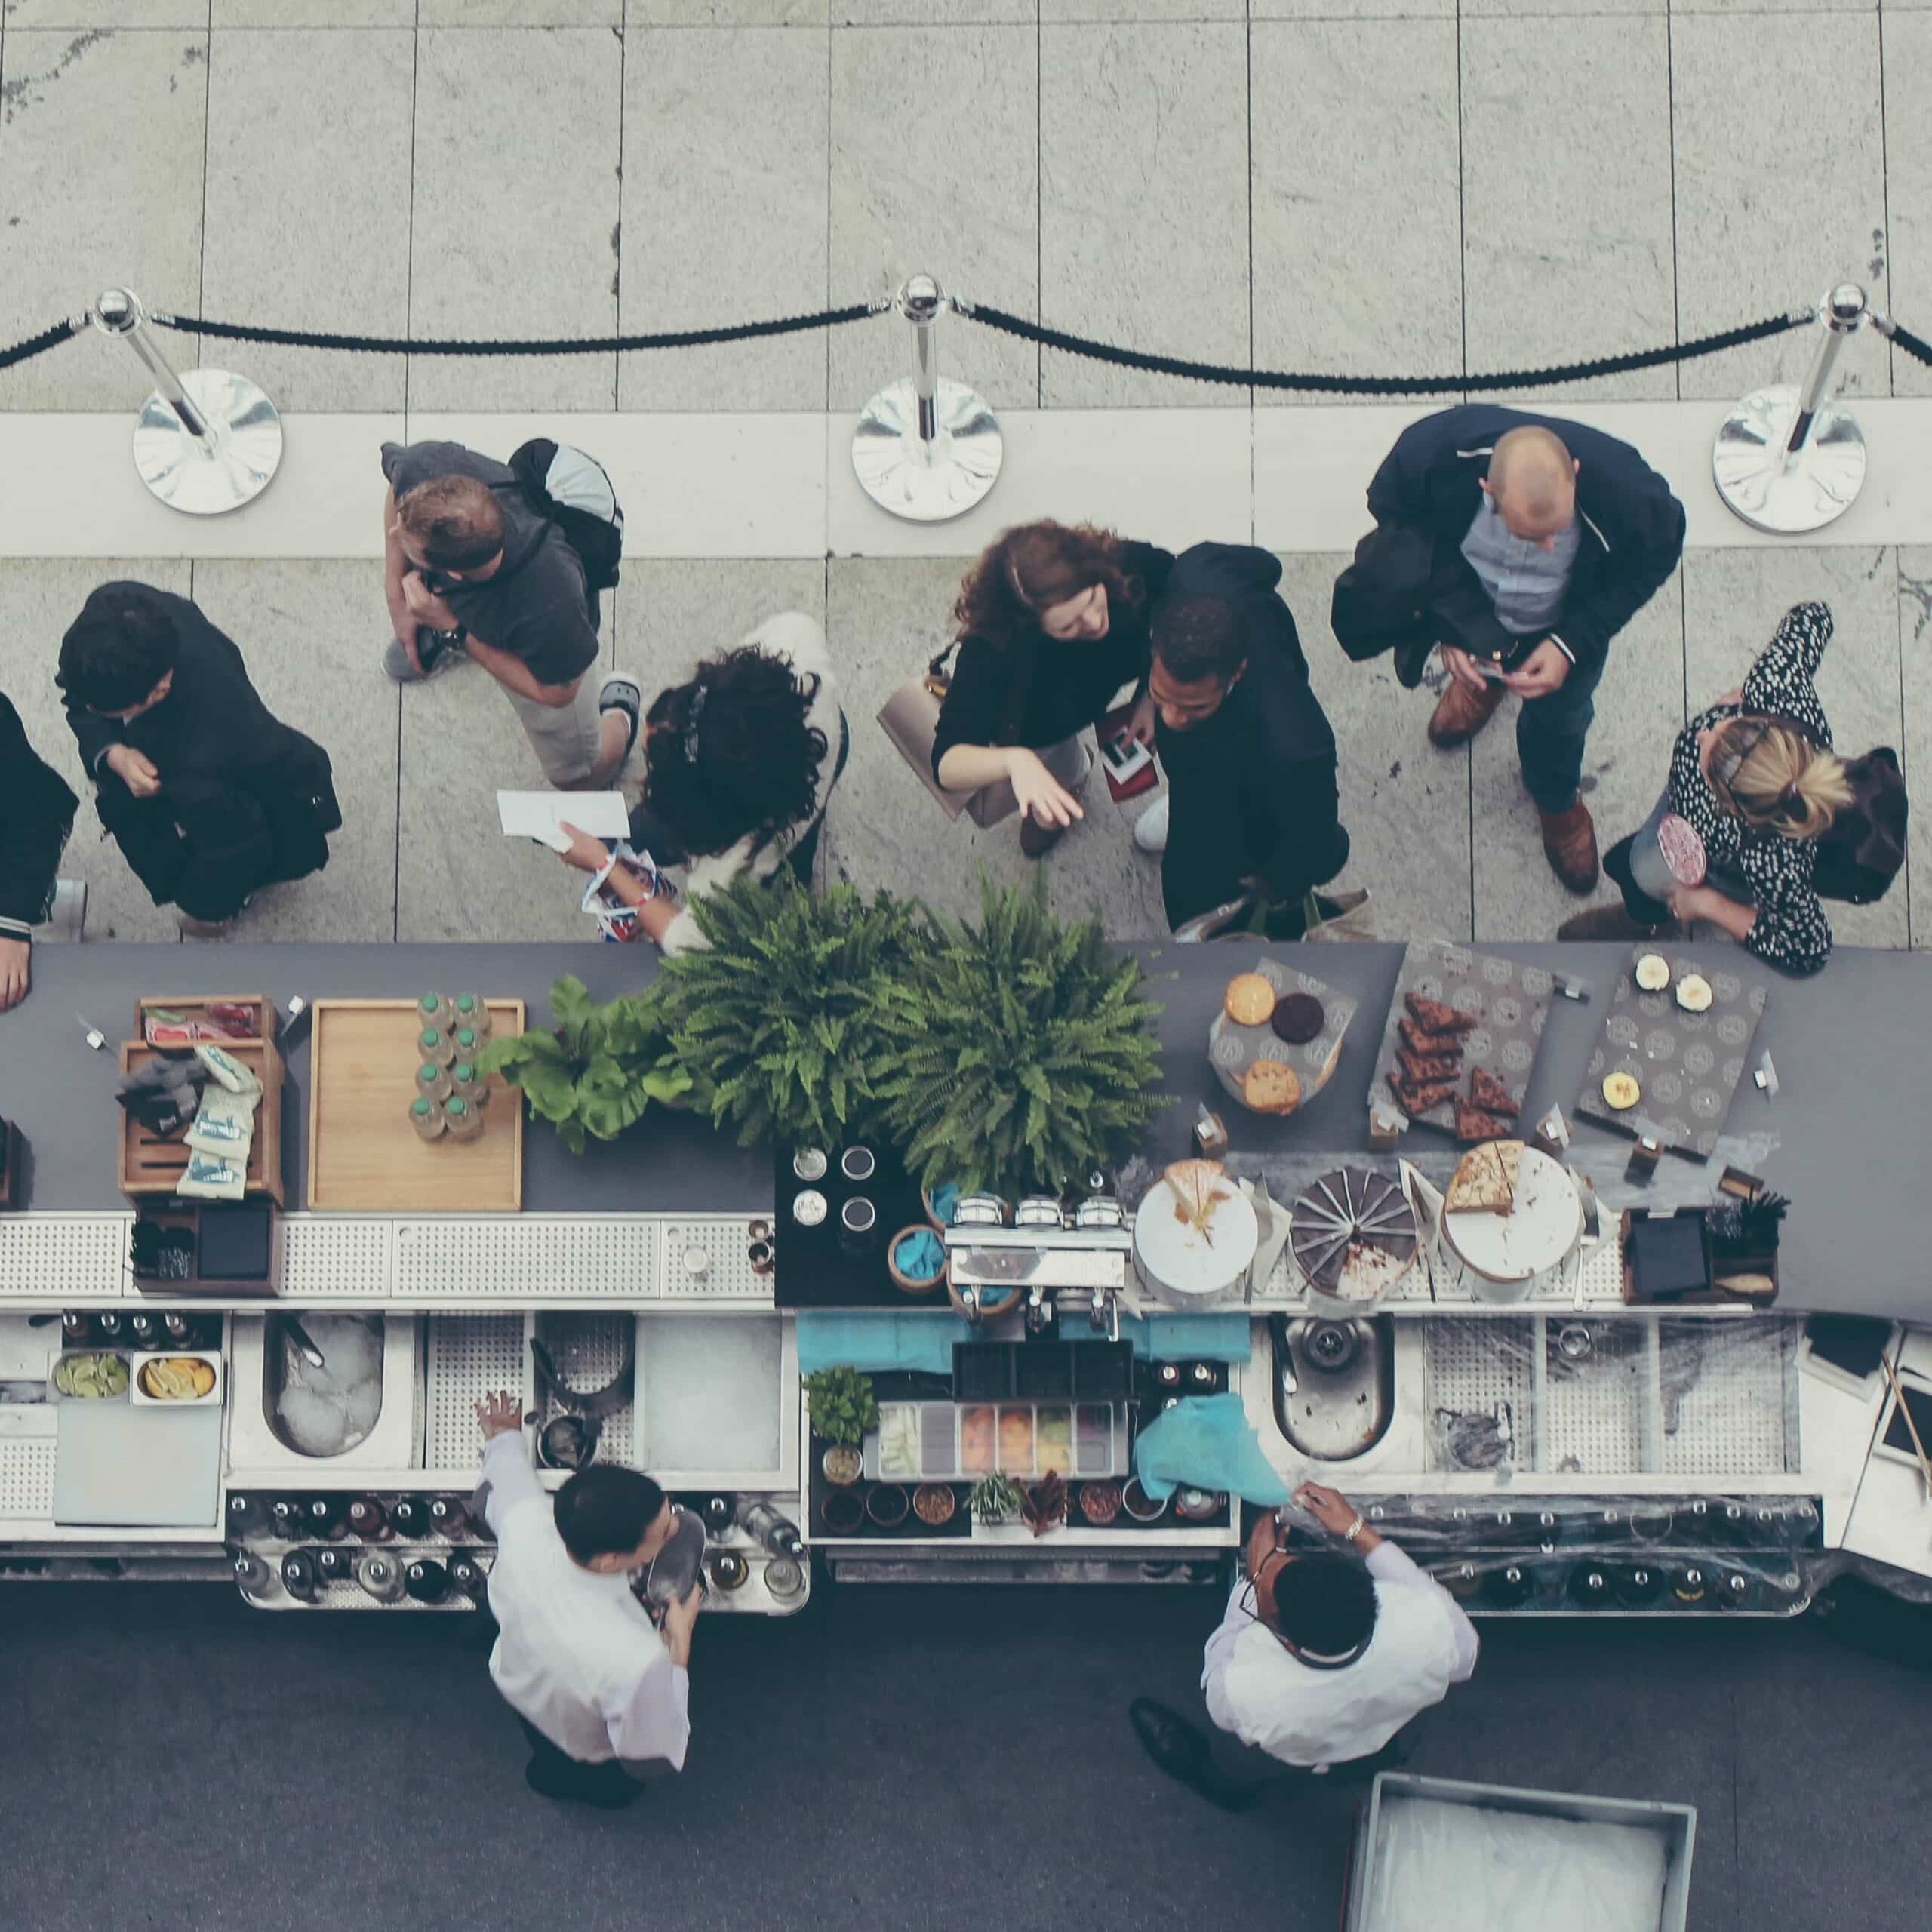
(260,1368)
(1334,1384)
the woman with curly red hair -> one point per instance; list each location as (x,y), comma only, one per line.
(1052,625)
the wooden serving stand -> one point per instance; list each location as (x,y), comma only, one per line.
(151,1165)
(364,1157)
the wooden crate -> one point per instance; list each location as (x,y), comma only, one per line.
(188,1214)
(364,1157)
(151,1165)
(267,1018)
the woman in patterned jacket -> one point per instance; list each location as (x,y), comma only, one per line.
(1756,778)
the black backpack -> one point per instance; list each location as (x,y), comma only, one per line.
(1863,852)
(574,491)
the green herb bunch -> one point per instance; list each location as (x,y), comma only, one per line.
(842,1404)
(777,1021)
(1020,1055)
(598,1070)
(995,1499)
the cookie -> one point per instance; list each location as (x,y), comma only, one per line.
(1269,1087)
(1299,1018)
(1249,1000)
(1620,1090)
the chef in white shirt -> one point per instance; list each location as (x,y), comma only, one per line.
(603,1693)
(1322,1657)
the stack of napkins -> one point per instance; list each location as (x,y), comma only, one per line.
(223,1129)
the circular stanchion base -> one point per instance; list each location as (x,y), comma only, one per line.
(927,484)
(248,430)
(1783,493)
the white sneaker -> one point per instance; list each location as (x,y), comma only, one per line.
(1150,828)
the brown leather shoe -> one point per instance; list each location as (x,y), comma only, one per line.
(1570,843)
(1460,714)
(1036,839)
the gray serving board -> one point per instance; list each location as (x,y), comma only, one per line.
(1510,997)
(1687,1064)
(1233,1048)
(119,1466)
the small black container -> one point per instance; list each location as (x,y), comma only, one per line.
(1044,1371)
(1103,1371)
(858,1226)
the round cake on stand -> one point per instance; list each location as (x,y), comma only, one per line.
(1354,1238)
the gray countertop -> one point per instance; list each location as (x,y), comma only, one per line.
(1846,1138)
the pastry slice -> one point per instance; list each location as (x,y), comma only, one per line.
(1422,1069)
(1437,1020)
(1485,1179)
(1490,1094)
(1473,1123)
(1415,1101)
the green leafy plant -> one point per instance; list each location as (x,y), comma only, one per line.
(841,1405)
(1020,1054)
(777,1021)
(995,1499)
(595,1073)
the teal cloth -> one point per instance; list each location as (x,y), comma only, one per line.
(944,1200)
(1206,1441)
(872,1340)
(919,1256)
(1221,1336)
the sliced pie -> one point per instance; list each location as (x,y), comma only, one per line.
(1485,1180)
(1490,1094)
(1473,1123)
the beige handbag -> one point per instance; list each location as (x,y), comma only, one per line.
(910,718)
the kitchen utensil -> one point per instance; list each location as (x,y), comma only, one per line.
(1687,1065)
(1510,999)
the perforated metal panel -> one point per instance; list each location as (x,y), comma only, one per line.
(1471,1364)
(1729,1397)
(63,1258)
(535,1257)
(588,1351)
(470,1356)
(1603,1273)
(27,1480)
(1594,1417)
(724,1241)
(333,1257)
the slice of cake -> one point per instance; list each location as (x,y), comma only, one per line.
(1489,1094)
(1438,1021)
(1472,1124)
(1485,1179)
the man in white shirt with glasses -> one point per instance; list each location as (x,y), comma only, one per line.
(1322,1658)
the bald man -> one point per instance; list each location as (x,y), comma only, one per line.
(1520,546)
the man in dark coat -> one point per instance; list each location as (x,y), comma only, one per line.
(1251,804)
(36,813)
(208,796)
(1522,545)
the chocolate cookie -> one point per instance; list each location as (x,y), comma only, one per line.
(1299,1018)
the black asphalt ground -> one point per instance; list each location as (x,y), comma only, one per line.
(896,1759)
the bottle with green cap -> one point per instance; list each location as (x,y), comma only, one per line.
(464,1120)
(467,1041)
(470,1010)
(474,1086)
(435,1046)
(426,1116)
(436,1010)
(433,1080)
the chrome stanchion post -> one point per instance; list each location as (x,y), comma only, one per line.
(206,441)
(1789,460)
(926,448)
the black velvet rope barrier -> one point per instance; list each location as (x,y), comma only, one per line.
(1917,347)
(31,345)
(1333,385)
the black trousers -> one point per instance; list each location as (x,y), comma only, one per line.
(557,1774)
(1638,904)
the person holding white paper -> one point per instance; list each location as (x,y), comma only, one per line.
(740,761)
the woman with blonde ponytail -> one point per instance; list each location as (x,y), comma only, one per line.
(1755,776)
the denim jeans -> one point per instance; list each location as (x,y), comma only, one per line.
(1550,732)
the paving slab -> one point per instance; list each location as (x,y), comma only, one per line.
(1143,205)
(1907,47)
(310,234)
(727,13)
(101,136)
(1573,257)
(1358,249)
(340,13)
(725,119)
(1915,563)
(905,202)
(513,228)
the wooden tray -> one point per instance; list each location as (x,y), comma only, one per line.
(151,1165)
(364,1157)
(266,1018)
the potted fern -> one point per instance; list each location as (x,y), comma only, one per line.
(1018,1054)
(595,1072)
(777,1022)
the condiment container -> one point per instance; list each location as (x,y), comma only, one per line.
(142,1399)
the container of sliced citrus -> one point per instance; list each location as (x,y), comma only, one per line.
(177,1380)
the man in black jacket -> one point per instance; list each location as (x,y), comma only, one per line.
(1524,545)
(1251,802)
(36,813)
(207,795)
